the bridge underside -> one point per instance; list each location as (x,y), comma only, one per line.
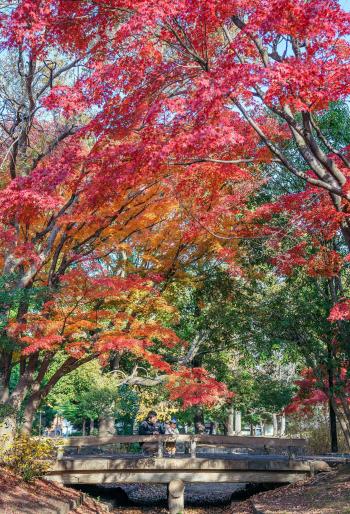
(98,469)
(100,477)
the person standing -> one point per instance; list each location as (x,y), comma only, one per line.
(150,426)
(171,429)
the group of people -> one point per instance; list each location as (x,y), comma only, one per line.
(151,426)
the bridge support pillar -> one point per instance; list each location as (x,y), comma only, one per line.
(176,497)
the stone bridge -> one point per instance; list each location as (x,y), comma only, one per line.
(200,458)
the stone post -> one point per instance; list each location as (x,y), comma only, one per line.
(176,497)
(193,448)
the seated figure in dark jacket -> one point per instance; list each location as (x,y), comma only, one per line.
(150,426)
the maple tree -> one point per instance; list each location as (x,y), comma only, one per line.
(225,84)
(90,233)
(133,138)
(314,388)
(223,88)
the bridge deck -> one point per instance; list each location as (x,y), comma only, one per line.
(201,465)
(236,468)
(182,456)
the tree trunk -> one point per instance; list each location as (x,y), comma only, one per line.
(5,367)
(333,428)
(275,425)
(346,234)
(8,427)
(106,426)
(332,415)
(345,405)
(38,392)
(283,425)
(28,417)
(230,420)
(30,409)
(238,422)
(4,393)
(84,427)
(198,420)
(213,428)
(92,426)
(344,424)
(13,404)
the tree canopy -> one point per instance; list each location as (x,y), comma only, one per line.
(174,180)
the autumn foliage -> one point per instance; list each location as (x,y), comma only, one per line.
(314,389)
(133,141)
(196,386)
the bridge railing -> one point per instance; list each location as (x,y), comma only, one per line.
(192,442)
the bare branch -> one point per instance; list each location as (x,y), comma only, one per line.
(278,153)
(51,147)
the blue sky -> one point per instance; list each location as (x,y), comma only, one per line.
(345,4)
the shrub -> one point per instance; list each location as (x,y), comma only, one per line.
(315,428)
(29,457)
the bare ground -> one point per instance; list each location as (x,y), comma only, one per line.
(42,497)
(327,493)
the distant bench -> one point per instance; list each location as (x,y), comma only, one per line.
(266,444)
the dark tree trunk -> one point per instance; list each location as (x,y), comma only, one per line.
(84,427)
(345,229)
(343,422)
(213,428)
(29,414)
(332,415)
(333,428)
(199,420)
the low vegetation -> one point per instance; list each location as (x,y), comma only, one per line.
(28,457)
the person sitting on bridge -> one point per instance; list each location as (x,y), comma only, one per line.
(150,426)
(171,429)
